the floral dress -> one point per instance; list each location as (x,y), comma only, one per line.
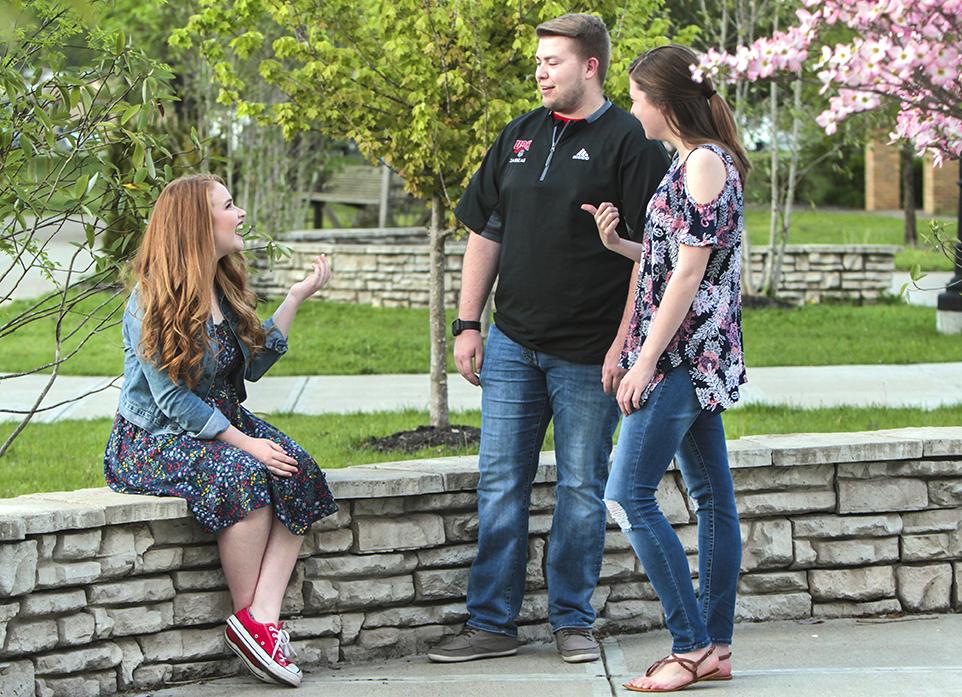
(220,482)
(709,341)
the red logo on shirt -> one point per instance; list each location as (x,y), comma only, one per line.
(520,146)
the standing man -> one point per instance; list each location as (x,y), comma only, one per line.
(559,329)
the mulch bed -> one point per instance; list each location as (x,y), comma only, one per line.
(454,436)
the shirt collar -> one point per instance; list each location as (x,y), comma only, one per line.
(591,118)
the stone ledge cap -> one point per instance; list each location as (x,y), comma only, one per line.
(852,446)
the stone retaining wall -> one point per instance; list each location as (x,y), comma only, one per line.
(101,592)
(816,272)
(385,267)
(389,267)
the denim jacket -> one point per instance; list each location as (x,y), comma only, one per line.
(151,400)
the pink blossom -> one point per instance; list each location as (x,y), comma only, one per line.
(905,54)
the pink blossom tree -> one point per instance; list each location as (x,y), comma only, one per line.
(904,53)
(901,53)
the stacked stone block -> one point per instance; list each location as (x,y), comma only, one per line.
(103,593)
(390,268)
(382,267)
(816,272)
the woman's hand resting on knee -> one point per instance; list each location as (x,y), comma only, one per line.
(265,451)
(271,455)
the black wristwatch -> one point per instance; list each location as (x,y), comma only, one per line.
(459,325)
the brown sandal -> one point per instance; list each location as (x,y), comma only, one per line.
(721,677)
(686,663)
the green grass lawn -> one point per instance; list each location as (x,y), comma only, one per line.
(328,339)
(68,455)
(819,226)
(835,334)
(333,339)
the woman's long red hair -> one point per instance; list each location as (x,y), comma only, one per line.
(174,267)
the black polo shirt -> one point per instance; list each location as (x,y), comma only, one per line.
(559,290)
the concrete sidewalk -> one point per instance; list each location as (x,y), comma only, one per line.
(924,385)
(909,657)
(925,292)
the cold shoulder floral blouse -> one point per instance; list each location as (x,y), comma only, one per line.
(709,340)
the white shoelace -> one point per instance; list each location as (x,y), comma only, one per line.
(282,642)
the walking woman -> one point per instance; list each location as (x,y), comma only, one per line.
(684,358)
(191,337)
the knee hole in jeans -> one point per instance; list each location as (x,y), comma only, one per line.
(618,513)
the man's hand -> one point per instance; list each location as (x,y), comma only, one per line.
(611,372)
(469,355)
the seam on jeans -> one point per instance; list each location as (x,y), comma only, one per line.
(529,461)
(711,530)
(607,408)
(653,404)
(674,581)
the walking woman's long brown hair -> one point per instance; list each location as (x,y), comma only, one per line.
(175,269)
(694,110)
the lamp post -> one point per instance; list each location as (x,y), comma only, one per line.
(948,317)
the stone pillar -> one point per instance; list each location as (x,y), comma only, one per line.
(882,176)
(940,192)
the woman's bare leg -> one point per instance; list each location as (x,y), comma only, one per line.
(277,564)
(242,549)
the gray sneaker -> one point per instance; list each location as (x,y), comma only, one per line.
(472,644)
(577,645)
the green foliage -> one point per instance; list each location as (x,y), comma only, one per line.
(837,180)
(79,148)
(78,141)
(425,86)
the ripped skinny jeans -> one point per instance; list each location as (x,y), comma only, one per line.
(671,423)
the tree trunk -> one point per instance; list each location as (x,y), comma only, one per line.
(790,184)
(908,194)
(744,13)
(384,200)
(439,344)
(769,270)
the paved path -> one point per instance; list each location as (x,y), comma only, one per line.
(911,657)
(22,278)
(923,292)
(924,385)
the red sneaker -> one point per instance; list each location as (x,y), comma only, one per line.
(263,647)
(238,647)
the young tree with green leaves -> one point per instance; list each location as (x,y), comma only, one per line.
(422,85)
(78,148)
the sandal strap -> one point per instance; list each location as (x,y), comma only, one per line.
(686,663)
(725,657)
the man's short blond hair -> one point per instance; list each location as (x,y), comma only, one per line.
(590,35)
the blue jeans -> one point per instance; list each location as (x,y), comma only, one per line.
(522,390)
(672,424)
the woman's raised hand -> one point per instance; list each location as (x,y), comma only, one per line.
(314,281)
(606,218)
